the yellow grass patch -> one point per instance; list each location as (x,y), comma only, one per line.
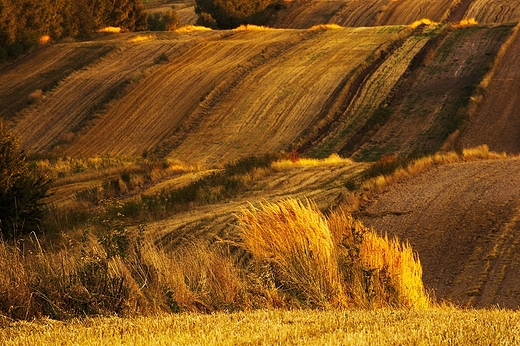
(140,38)
(467,22)
(326,27)
(192,28)
(250,27)
(110,29)
(333,159)
(424,21)
(310,257)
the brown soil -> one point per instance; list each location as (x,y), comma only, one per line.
(463,220)
(496,122)
(431,104)
(494,11)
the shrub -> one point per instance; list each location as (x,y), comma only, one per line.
(22,188)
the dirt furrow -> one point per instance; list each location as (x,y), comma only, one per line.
(496,122)
(494,11)
(462,219)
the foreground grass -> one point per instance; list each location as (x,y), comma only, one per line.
(277,327)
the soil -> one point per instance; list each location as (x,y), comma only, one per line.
(496,122)
(464,221)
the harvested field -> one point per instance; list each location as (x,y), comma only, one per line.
(494,11)
(346,133)
(285,96)
(496,122)
(82,96)
(43,70)
(307,14)
(432,105)
(463,220)
(359,13)
(148,115)
(408,11)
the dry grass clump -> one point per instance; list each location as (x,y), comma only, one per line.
(192,28)
(423,21)
(326,27)
(251,27)
(415,167)
(467,22)
(333,159)
(330,262)
(35,97)
(110,29)
(140,38)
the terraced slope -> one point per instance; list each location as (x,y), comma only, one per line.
(273,104)
(307,14)
(42,70)
(82,95)
(359,117)
(432,104)
(463,220)
(408,11)
(494,11)
(255,91)
(496,122)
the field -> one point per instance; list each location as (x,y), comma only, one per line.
(382,327)
(346,176)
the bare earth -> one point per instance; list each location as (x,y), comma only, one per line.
(496,122)
(463,220)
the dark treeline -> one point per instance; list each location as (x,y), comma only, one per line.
(23,22)
(228,14)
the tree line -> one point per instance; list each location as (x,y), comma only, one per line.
(23,22)
(228,14)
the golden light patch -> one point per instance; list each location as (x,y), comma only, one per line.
(141,38)
(191,28)
(110,29)
(44,39)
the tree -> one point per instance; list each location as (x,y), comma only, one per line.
(231,13)
(167,21)
(22,188)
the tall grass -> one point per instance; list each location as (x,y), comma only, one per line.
(290,255)
(330,262)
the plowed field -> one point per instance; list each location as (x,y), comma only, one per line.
(496,122)
(431,107)
(408,11)
(463,220)
(494,11)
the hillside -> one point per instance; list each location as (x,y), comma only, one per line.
(353,78)
(463,221)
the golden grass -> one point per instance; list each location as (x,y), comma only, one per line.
(326,27)
(251,27)
(44,39)
(140,38)
(378,184)
(331,262)
(278,327)
(467,22)
(192,28)
(333,159)
(110,29)
(423,21)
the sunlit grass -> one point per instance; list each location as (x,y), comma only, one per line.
(277,327)
(333,159)
(192,28)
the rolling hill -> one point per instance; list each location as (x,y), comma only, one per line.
(350,77)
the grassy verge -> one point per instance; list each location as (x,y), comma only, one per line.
(277,327)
